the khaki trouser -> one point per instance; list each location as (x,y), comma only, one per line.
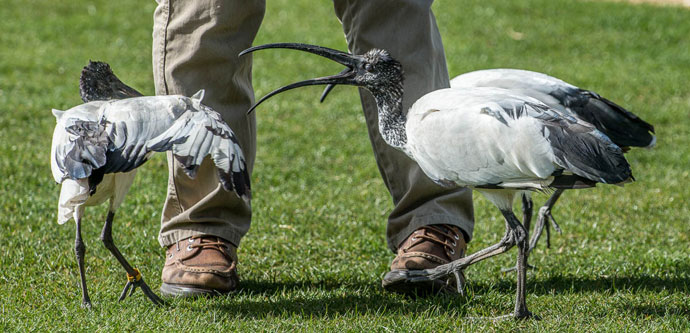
(195,45)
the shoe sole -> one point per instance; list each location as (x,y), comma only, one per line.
(186,291)
(399,281)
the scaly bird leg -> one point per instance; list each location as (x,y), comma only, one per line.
(527,208)
(521,311)
(133,275)
(543,219)
(80,251)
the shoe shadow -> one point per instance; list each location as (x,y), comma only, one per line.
(259,299)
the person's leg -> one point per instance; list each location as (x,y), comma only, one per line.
(195,46)
(407,29)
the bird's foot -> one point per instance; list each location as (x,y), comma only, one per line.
(520,235)
(460,281)
(522,315)
(545,214)
(86,303)
(554,223)
(136,281)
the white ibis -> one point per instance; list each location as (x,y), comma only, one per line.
(493,140)
(623,127)
(97,147)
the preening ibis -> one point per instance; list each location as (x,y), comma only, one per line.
(623,127)
(493,140)
(98,146)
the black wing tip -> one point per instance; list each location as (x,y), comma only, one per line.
(237,182)
(187,162)
(588,153)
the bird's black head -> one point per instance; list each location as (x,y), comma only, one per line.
(374,70)
(378,71)
(98,83)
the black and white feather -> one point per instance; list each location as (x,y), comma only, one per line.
(98,146)
(623,127)
(495,140)
(102,138)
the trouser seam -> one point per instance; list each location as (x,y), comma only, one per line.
(164,48)
(163,75)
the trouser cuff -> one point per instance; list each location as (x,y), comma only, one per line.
(171,237)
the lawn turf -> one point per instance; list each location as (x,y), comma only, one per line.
(316,252)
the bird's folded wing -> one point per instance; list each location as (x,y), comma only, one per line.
(197,134)
(577,145)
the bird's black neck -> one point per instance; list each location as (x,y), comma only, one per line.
(392,119)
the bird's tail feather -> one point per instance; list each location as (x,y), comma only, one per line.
(623,127)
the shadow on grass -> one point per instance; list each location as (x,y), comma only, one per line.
(259,299)
(576,284)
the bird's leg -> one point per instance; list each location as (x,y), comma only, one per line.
(133,275)
(543,219)
(548,232)
(80,251)
(527,208)
(456,267)
(520,233)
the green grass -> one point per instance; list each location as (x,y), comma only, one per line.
(316,251)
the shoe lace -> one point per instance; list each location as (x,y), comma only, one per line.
(206,242)
(447,233)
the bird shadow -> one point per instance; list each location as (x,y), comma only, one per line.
(576,284)
(571,284)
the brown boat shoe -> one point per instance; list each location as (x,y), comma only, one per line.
(428,247)
(200,266)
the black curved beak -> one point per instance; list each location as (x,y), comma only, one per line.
(325,92)
(345,77)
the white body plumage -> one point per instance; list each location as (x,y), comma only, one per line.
(115,137)
(471,147)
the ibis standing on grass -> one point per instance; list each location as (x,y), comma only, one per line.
(623,127)
(493,140)
(97,147)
